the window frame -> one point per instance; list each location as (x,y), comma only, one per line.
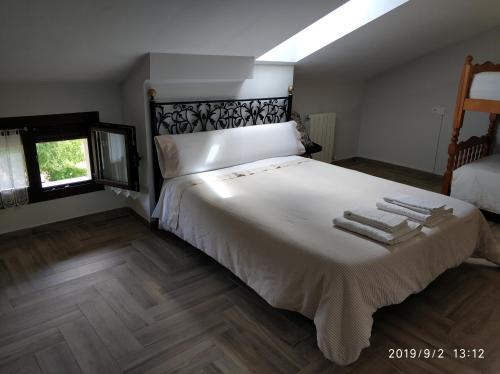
(53,127)
(131,155)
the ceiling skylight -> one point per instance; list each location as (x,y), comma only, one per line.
(342,21)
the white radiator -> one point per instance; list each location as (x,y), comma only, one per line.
(322,131)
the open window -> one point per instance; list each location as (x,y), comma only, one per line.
(75,153)
(115,156)
(63,162)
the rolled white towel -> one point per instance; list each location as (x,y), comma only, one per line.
(419,204)
(425,219)
(374,217)
(376,234)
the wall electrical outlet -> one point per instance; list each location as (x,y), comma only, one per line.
(438,110)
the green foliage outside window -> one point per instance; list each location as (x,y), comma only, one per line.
(62,159)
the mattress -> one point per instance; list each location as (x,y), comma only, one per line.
(479,183)
(270,223)
(485,86)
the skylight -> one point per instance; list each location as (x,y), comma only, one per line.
(342,21)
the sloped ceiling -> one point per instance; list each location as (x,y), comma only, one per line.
(410,31)
(96,40)
(58,40)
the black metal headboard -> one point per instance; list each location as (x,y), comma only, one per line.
(195,116)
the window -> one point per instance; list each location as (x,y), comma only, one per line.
(63,162)
(335,25)
(70,154)
(115,156)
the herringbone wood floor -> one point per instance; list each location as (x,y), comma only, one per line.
(104,294)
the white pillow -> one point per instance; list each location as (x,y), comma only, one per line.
(209,150)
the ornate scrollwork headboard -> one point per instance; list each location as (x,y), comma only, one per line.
(197,116)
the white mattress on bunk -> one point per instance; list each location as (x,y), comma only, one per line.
(485,86)
(479,183)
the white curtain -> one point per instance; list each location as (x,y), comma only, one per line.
(13,176)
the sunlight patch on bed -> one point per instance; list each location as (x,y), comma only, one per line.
(212,153)
(217,186)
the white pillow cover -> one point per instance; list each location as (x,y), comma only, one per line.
(209,150)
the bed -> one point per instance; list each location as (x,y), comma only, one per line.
(269,221)
(479,183)
(479,91)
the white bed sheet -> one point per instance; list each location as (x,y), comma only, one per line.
(485,86)
(479,183)
(270,223)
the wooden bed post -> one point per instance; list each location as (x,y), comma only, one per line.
(290,101)
(458,120)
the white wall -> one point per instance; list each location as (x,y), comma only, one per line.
(171,66)
(320,94)
(37,99)
(397,125)
(191,77)
(135,113)
(266,81)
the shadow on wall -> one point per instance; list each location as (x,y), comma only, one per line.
(314,94)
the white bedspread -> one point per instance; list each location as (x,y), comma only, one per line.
(270,223)
(479,183)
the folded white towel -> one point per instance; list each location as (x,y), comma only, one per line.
(425,219)
(381,220)
(419,204)
(376,234)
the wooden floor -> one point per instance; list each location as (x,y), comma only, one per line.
(420,179)
(104,294)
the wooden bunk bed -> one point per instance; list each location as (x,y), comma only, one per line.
(488,101)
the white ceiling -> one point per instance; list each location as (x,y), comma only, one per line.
(61,40)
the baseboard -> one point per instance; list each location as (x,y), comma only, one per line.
(359,159)
(347,160)
(386,162)
(152,224)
